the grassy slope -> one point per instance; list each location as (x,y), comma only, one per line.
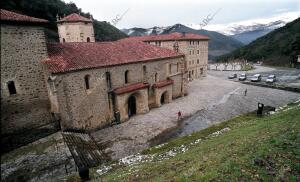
(278,47)
(265,149)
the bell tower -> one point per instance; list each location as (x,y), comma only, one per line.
(75,28)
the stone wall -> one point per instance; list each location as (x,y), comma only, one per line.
(75,32)
(22,49)
(142,105)
(196,54)
(226,66)
(93,108)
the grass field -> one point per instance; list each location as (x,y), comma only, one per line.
(245,148)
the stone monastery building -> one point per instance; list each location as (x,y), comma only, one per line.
(83,84)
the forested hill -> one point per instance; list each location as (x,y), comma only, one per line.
(48,9)
(279,47)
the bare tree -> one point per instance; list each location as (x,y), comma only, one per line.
(217,65)
(225,65)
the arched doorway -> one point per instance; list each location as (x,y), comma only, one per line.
(131,106)
(163,98)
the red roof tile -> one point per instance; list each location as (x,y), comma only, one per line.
(76,56)
(130,88)
(74,17)
(11,16)
(172,36)
(163,83)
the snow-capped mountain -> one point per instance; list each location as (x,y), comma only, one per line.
(144,31)
(219,44)
(247,31)
(251,25)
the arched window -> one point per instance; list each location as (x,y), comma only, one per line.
(156,77)
(64,40)
(88,39)
(144,72)
(108,80)
(11,87)
(126,76)
(87,81)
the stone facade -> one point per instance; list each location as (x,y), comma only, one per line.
(24,97)
(95,107)
(34,96)
(196,53)
(76,32)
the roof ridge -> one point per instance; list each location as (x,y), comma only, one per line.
(7,15)
(78,56)
(75,17)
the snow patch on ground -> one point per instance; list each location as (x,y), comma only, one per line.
(134,160)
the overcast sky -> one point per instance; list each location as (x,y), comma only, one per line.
(149,13)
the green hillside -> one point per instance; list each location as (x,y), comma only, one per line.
(48,9)
(279,47)
(245,148)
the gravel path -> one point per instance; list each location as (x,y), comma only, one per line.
(210,101)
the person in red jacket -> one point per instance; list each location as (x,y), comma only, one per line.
(179,115)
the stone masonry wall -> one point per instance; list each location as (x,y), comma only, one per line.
(76,32)
(22,49)
(91,109)
(196,54)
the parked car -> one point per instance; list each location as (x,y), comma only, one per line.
(243,77)
(232,76)
(256,78)
(271,79)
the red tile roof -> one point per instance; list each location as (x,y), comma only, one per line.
(172,36)
(163,83)
(131,88)
(15,17)
(76,56)
(74,17)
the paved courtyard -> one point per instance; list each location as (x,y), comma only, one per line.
(285,76)
(210,101)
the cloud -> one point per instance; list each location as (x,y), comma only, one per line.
(149,13)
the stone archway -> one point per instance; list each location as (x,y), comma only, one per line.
(164,98)
(131,106)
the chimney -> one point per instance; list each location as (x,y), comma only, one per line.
(183,34)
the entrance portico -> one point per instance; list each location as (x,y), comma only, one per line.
(131,100)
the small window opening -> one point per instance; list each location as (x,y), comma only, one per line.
(178,67)
(126,76)
(108,80)
(11,88)
(87,81)
(88,39)
(64,40)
